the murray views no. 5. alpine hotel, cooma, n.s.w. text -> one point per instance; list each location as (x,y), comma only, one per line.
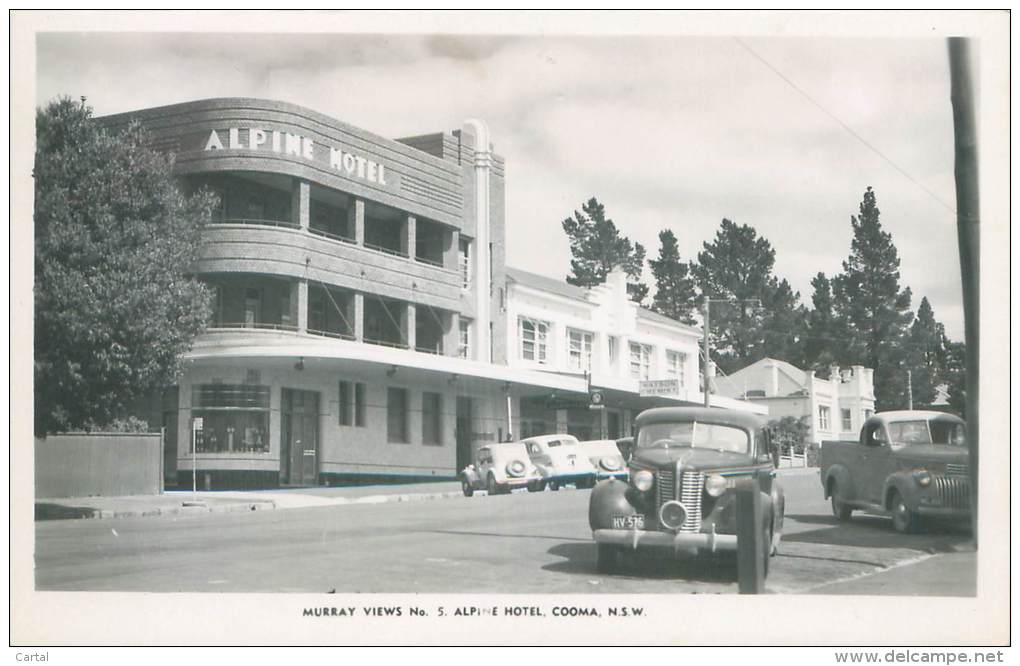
(366,326)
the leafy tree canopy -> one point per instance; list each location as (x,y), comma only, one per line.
(597,247)
(115,306)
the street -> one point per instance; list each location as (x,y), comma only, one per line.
(522,542)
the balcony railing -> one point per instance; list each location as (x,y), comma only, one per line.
(287,224)
(332,334)
(437,350)
(256,325)
(332,236)
(386,250)
(386,343)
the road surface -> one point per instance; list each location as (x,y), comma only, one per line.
(517,543)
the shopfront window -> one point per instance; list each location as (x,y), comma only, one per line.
(235,418)
(396,415)
(431,418)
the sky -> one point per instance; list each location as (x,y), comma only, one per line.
(667,131)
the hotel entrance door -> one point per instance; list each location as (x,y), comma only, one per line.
(299,436)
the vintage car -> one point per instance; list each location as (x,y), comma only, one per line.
(560,460)
(681,496)
(498,468)
(905,464)
(626,446)
(605,456)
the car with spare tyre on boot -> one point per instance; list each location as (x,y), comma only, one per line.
(680,499)
(498,468)
(561,461)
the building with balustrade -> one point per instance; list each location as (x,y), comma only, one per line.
(365,325)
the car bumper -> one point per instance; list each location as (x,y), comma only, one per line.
(570,478)
(635,539)
(622,476)
(943,512)
(518,482)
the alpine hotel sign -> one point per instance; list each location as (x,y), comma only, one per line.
(285,143)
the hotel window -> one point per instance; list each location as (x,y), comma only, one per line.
(464,258)
(359,405)
(317,311)
(396,415)
(847,422)
(252,308)
(579,345)
(464,346)
(351,404)
(534,335)
(235,418)
(431,418)
(640,361)
(614,352)
(868,413)
(823,417)
(676,366)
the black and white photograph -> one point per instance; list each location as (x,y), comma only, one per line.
(379,327)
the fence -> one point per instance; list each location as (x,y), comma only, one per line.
(103,464)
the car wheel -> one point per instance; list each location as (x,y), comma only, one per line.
(904,520)
(536,487)
(466,486)
(554,486)
(839,509)
(609,556)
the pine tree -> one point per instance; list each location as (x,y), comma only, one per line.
(927,354)
(675,295)
(762,318)
(825,337)
(867,296)
(597,248)
(115,306)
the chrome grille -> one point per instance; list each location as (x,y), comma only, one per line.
(665,487)
(690,497)
(953,469)
(951,492)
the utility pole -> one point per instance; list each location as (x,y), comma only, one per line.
(705,353)
(910,391)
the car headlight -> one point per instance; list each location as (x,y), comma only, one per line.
(922,477)
(643,480)
(611,463)
(716,485)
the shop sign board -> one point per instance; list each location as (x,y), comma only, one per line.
(659,388)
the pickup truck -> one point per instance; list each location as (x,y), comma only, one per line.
(905,464)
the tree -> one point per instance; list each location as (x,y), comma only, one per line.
(597,248)
(956,377)
(115,307)
(927,354)
(825,335)
(867,296)
(762,319)
(675,295)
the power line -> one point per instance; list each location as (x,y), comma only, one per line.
(842,124)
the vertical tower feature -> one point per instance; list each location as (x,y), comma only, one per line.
(483,288)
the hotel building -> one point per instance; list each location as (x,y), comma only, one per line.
(366,327)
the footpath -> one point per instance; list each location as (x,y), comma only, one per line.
(185,502)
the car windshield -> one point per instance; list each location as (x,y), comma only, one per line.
(910,433)
(558,442)
(695,435)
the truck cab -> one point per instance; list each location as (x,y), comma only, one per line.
(905,464)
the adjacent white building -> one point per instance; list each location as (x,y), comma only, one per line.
(836,407)
(618,346)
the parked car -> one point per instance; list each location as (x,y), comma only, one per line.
(606,458)
(681,494)
(905,464)
(626,446)
(560,460)
(498,468)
